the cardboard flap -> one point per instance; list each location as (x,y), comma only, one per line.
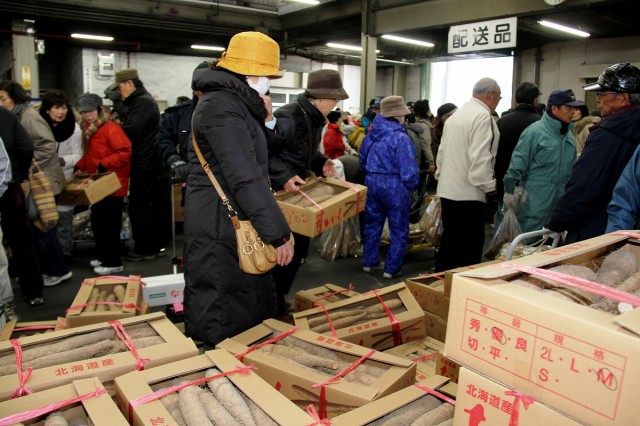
(630,321)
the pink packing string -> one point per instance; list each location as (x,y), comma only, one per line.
(335,293)
(124,337)
(320,216)
(240,369)
(89,281)
(425,357)
(395,324)
(21,390)
(518,397)
(437,276)
(280,336)
(577,282)
(323,396)
(30,414)
(326,314)
(311,410)
(435,393)
(84,305)
(629,234)
(35,328)
(354,189)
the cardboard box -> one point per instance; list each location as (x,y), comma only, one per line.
(448,275)
(447,367)
(423,352)
(368,414)
(313,221)
(436,326)
(163,289)
(484,401)
(89,189)
(378,333)
(568,356)
(429,293)
(107,367)
(77,314)
(296,382)
(325,294)
(141,383)
(100,409)
(14,329)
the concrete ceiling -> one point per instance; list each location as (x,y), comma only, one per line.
(172,26)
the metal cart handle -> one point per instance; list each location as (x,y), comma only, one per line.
(532,234)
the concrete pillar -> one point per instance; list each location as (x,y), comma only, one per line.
(25,63)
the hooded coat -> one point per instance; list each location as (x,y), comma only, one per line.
(582,210)
(581,130)
(228,123)
(541,163)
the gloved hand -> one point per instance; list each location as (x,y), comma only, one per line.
(508,200)
(62,162)
(179,168)
(101,168)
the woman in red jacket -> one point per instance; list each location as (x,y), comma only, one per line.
(333,141)
(106,149)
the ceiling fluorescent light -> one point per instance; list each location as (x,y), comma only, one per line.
(408,40)
(313,2)
(564,28)
(203,47)
(92,37)
(346,47)
(394,62)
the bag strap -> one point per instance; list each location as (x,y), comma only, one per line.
(309,136)
(233,215)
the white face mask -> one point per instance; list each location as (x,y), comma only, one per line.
(262,86)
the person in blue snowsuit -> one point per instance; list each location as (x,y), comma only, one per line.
(624,208)
(387,157)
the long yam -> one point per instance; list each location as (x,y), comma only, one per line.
(216,411)
(228,395)
(192,410)
(441,413)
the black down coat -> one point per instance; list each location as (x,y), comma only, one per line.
(582,210)
(221,300)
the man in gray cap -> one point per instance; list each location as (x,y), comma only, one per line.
(148,197)
(582,210)
(294,155)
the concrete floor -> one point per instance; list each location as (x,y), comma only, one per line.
(314,272)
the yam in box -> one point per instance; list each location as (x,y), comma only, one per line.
(325,294)
(337,200)
(378,375)
(413,405)
(14,329)
(116,298)
(574,358)
(429,293)
(364,319)
(481,400)
(89,189)
(256,394)
(59,357)
(96,404)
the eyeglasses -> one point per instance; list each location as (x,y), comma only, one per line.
(497,94)
(602,94)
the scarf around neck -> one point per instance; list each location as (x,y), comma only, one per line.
(89,129)
(64,129)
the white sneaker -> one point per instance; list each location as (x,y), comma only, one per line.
(107,270)
(50,281)
(95,262)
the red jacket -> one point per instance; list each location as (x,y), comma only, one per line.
(111,147)
(333,144)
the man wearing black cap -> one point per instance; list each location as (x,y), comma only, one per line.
(147,209)
(541,161)
(582,210)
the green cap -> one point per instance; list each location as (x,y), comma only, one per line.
(124,75)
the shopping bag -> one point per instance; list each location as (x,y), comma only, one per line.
(41,201)
(507,231)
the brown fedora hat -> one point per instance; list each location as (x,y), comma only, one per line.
(326,84)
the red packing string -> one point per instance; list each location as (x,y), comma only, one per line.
(84,305)
(518,397)
(124,337)
(240,369)
(30,414)
(280,336)
(395,324)
(437,276)
(311,410)
(354,189)
(21,390)
(425,357)
(325,296)
(326,314)
(90,281)
(436,393)
(323,396)
(319,221)
(35,328)
(635,235)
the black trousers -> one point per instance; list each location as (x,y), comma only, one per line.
(463,235)
(284,275)
(106,223)
(20,235)
(146,211)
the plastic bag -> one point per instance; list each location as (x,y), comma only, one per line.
(431,222)
(341,240)
(507,231)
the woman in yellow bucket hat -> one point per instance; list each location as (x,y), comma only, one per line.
(229,128)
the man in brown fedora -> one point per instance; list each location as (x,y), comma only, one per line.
(294,155)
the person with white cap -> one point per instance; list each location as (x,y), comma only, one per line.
(542,160)
(229,129)
(387,157)
(582,209)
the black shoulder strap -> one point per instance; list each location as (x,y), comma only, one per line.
(310,137)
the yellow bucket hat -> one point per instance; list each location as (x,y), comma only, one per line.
(252,53)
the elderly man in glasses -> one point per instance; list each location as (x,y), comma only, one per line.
(582,210)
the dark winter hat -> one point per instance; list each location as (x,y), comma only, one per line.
(333,116)
(563,97)
(326,84)
(445,109)
(124,75)
(89,102)
(393,106)
(622,77)
(377,102)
